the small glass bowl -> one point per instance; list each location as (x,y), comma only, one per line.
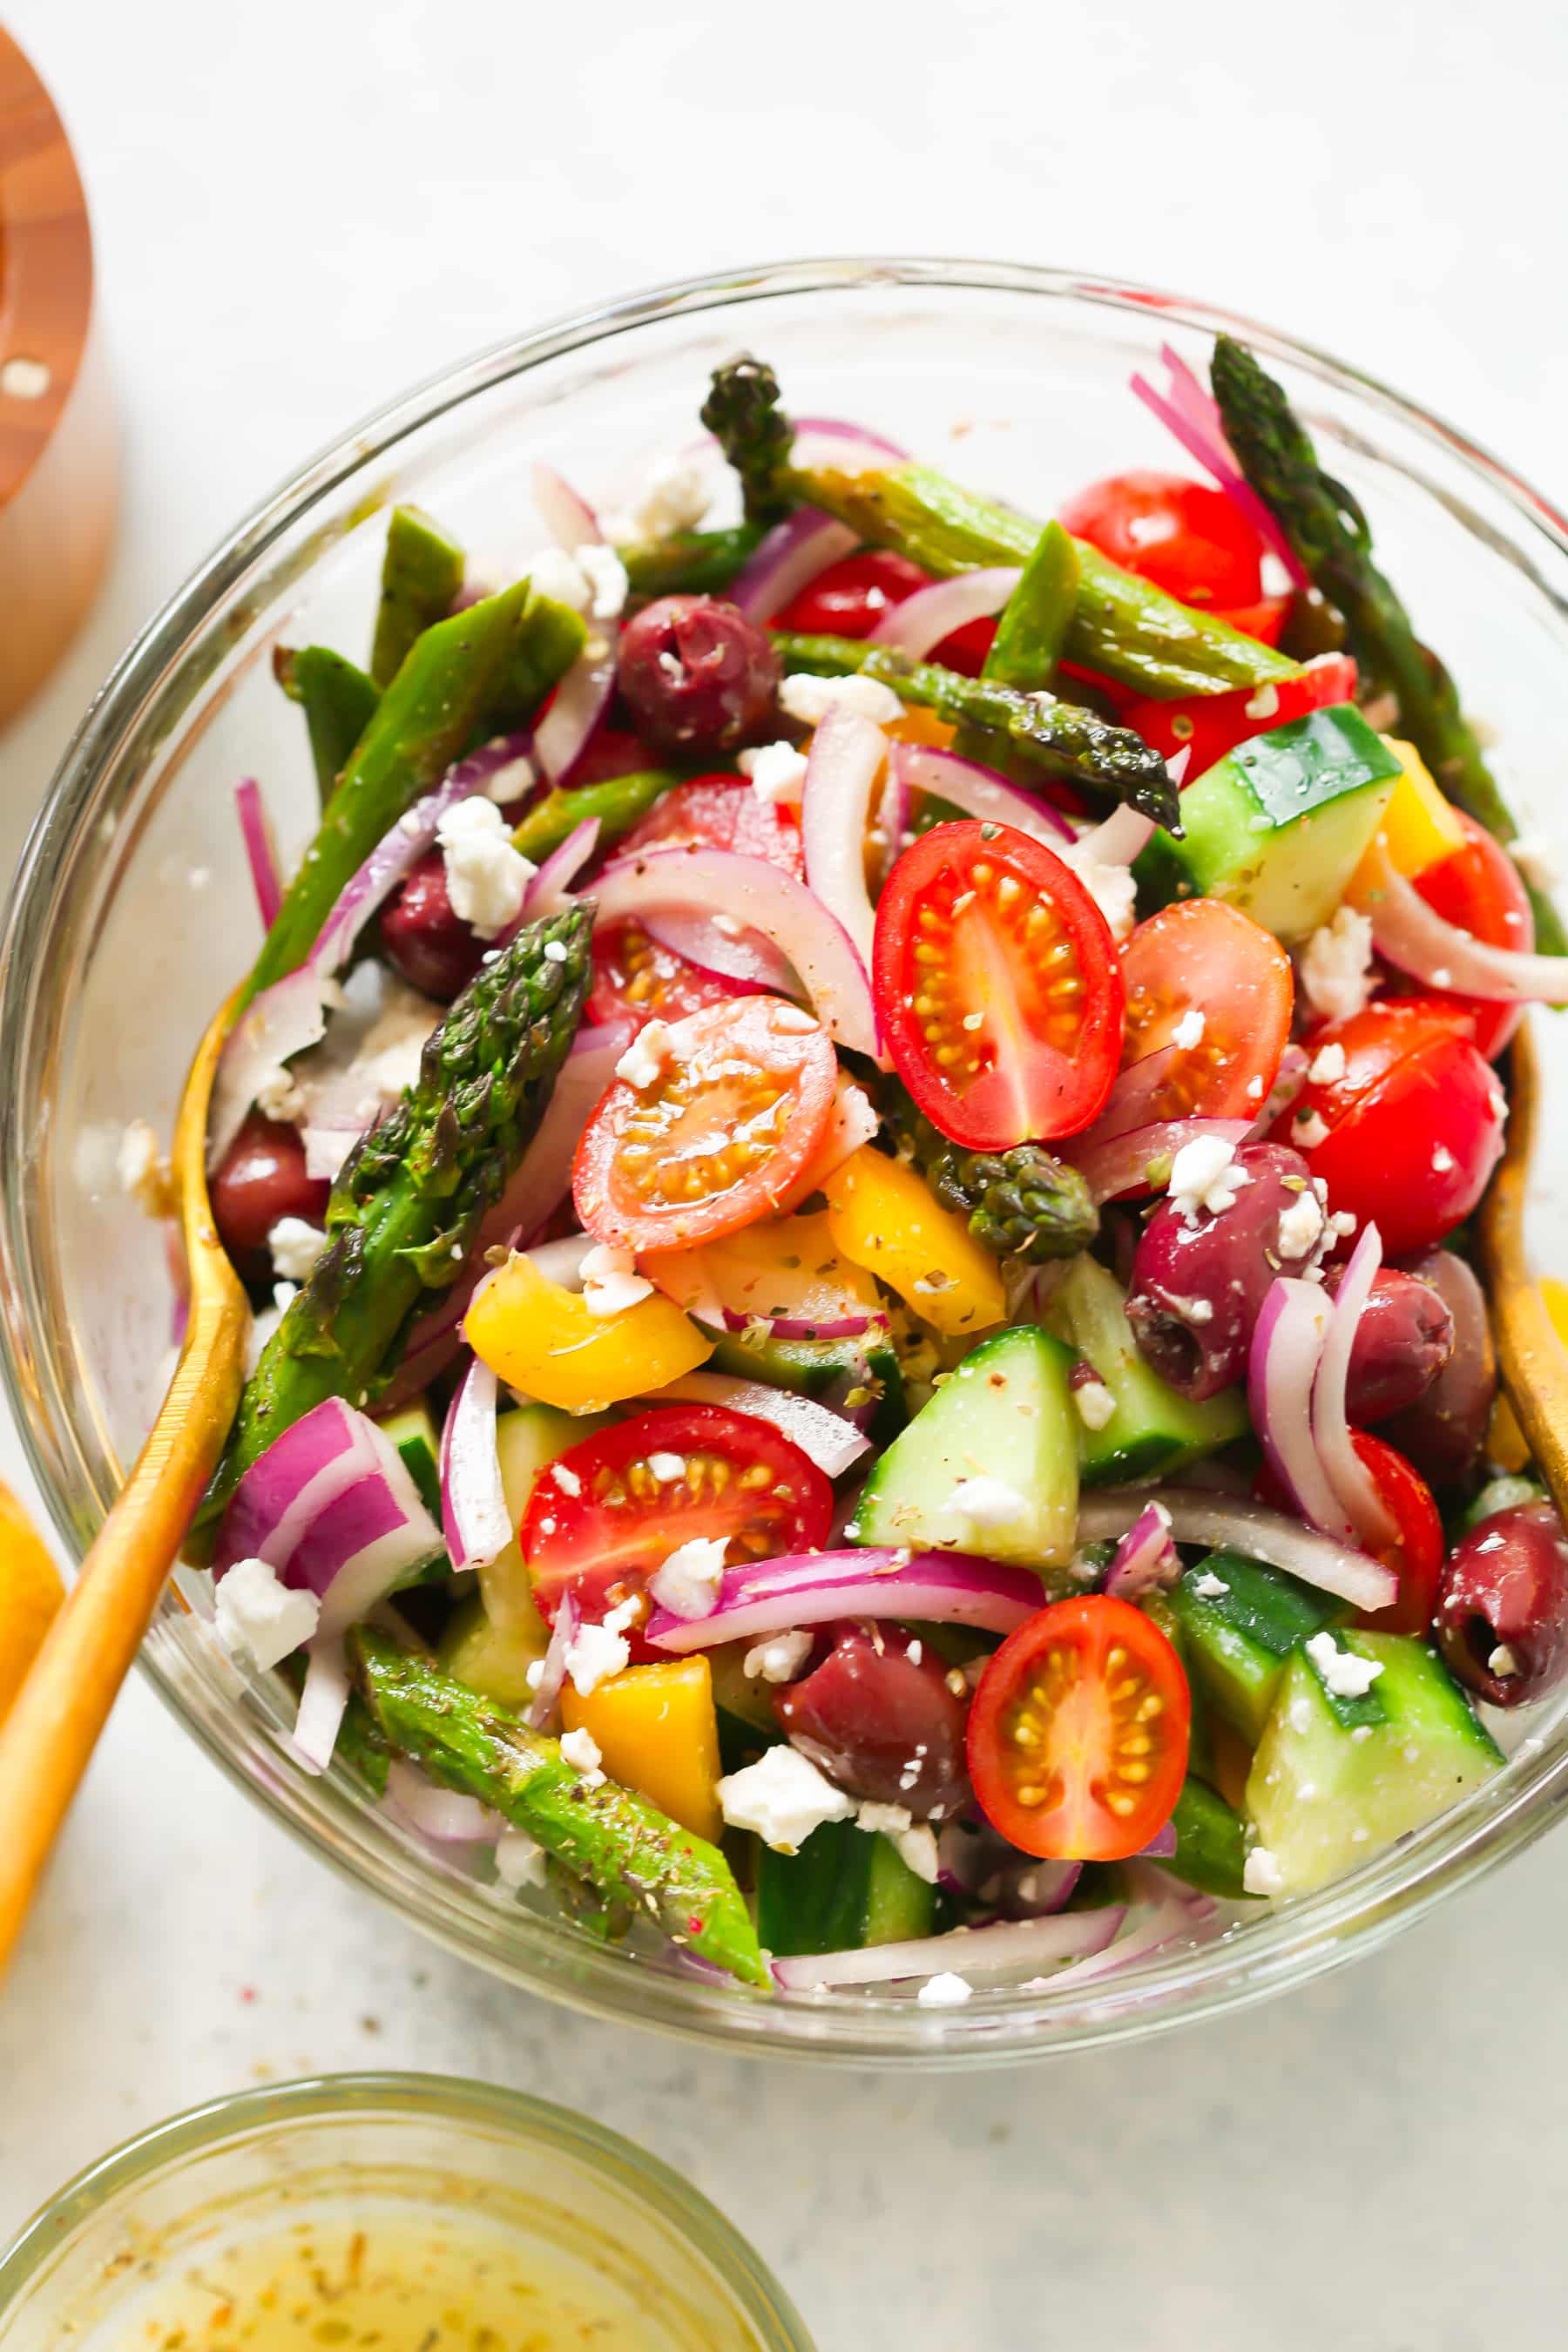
(133,915)
(91,2269)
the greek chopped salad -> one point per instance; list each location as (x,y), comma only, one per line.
(852,1147)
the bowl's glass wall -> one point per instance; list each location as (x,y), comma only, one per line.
(134,915)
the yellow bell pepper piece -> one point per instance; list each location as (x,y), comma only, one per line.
(882,1215)
(1419,826)
(656,1732)
(541,1338)
(1505,1439)
(30,1592)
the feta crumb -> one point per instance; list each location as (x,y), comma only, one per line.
(611,1282)
(142,1172)
(1328,1065)
(944,1991)
(1264,704)
(1114,892)
(1208,1586)
(533,1674)
(646,1058)
(809,698)
(554,951)
(666,1467)
(582,1750)
(295,1246)
(595,1654)
(258,1618)
(777,771)
(1336,965)
(1310,1129)
(1362,1731)
(915,1841)
(1189,1029)
(1206,1175)
(1345,1675)
(1502,1663)
(486,876)
(1253,1087)
(1301,1225)
(607,577)
(675,497)
(777,1660)
(782,1798)
(558,576)
(284,1293)
(1442,1160)
(688,1582)
(1261,1874)
(521,1861)
(566,1479)
(1095,1403)
(793,1018)
(987,1503)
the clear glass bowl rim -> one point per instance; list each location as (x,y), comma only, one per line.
(430,2098)
(1290,1947)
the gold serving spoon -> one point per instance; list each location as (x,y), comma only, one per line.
(1531,1355)
(53,1727)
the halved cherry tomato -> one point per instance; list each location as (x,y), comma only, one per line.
(850,597)
(1265,620)
(737,1110)
(1414,1122)
(636,975)
(998,985)
(1207,726)
(1203,957)
(1077,1736)
(633,1494)
(1186,536)
(1416,1555)
(610,752)
(1480,888)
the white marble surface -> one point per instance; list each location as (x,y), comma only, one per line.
(302,206)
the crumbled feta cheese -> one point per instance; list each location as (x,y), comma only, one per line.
(915,1841)
(688,1582)
(566,1479)
(1208,1586)
(1301,1225)
(142,1172)
(1206,1175)
(558,575)
(583,1752)
(606,576)
(533,1674)
(1095,1403)
(521,1861)
(793,1018)
(779,1659)
(258,1618)
(777,771)
(1264,704)
(486,876)
(1502,1663)
(295,1246)
(1345,1675)
(1189,1029)
(646,1058)
(1114,892)
(1442,977)
(666,1467)
(509,781)
(1261,1874)
(944,1991)
(596,1653)
(1328,1065)
(284,1293)
(1309,1129)
(987,1503)
(1442,1159)
(611,1282)
(554,951)
(1253,1087)
(782,1798)
(1336,965)
(674,496)
(810,698)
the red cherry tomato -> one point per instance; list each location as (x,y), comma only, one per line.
(1478,887)
(614,1518)
(1414,1122)
(610,752)
(734,1117)
(998,985)
(1416,1556)
(966,648)
(1203,956)
(1077,1736)
(1186,536)
(850,597)
(1265,620)
(634,976)
(1207,726)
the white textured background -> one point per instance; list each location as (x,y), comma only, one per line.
(301,206)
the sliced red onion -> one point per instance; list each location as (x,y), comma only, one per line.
(1414,939)
(967,1951)
(918,623)
(1122,837)
(823,1437)
(794,1326)
(851,1122)
(846,758)
(286,1019)
(562,1262)
(743,961)
(1281,1368)
(323,1702)
(1190,413)
(1175,1921)
(444,1814)
(789,559)
(1353,1482)
(583,697)
(1118,1164)
(1162,1846)
(1289,1081)
(474,1516)
(549,890)
(981,1864)
(763,898)
(834,446)
(979,791)
(1133,1095)
(1239,1524)
(812,1588)
(564,512)
(260,849)
(553,1676)
(1145,1559)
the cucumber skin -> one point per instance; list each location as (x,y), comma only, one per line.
(1236,1646)
(1211,1841)
(1153,1430)
(810,1366)
(844,1889)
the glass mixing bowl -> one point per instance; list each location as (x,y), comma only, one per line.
(132,916)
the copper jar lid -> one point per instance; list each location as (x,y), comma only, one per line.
(57,437)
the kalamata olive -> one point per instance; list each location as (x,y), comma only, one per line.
(432,948)
(1404,1338)
(1443,1431)
(1197,1287)
(696,673)
(1502,1605)
(261,1180)
(879,1715)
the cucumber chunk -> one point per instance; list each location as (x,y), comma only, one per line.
(1153,1429)
(412,1432)
(1211,1841)
(816,1367)
(1005,1415)
(1336,1779)
(845,1888)
(491,1659)
(1237,1642)
(1281,824)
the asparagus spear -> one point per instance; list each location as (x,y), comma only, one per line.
(1038,615)
(1060,738)
(411,1197)
(743,413)
(1333,539)
(1022,1203)
(338,699)
(691,562)
(626,1849)
(617,802)
(458,681)
(421,572)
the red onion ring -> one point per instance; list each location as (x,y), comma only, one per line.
(584,695)
(918,623)
(474,1516)
(793,554)
(825,1437)
(260,849)
(1354,1486)
(968,1951)
(1189,413)
(841,771)
(979,791)
(1281,1368)
(1198,1516)
(1114,1166)
(1145,1559)
(1414,939)
(814,1588)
